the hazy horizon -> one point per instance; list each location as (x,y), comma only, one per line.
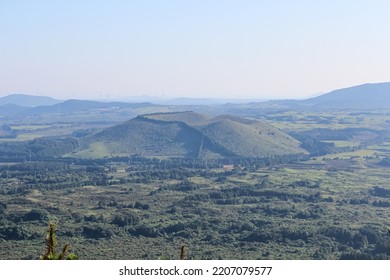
(247,49)
(155,97)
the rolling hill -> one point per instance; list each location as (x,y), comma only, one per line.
(366,96)
(41,105)
(25,100)
(74,105)
(10,109)
(189,135)
(375,96)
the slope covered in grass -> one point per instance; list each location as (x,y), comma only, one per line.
(190,135)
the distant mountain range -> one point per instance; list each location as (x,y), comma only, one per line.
(62,107)
(361,97)
(74,105)
(182,101)
(190,135)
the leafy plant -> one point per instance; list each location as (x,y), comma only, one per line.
(183,254)
(51,244)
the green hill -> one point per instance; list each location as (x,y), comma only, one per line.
(250,140)
(189,135)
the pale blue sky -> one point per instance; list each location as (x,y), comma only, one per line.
(203,48)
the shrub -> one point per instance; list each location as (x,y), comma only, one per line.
(125,220)
(37,215)
(3,206)
(96,232)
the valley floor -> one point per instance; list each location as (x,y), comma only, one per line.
(324,208)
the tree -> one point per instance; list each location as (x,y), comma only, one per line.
(3,206)
(51,244)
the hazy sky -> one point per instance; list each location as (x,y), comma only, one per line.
(194,48)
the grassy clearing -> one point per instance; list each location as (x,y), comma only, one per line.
(301,121)
(23,137)
(348,155)
(385,147)
(29,127)
(340,144)
(96,150)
